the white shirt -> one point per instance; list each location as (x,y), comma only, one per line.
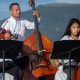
(18,27)
(68,38)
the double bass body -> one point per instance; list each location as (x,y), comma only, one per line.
(34,57)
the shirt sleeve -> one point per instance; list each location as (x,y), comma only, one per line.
(64,38)
(39,19)
(30,25)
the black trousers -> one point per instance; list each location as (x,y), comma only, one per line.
(73,69)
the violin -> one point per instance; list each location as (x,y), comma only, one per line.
(6,34)
(2,33)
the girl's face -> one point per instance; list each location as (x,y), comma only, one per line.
(75,29)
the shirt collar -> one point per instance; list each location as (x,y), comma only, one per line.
(72,39)
(12,19)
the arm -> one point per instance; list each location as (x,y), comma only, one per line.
(30,25)
(58,61)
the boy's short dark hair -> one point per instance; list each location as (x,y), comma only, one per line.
(11,5)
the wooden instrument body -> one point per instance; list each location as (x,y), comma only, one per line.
(42,48)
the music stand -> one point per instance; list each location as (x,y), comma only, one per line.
(9,49)
(66,49)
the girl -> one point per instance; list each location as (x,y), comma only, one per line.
(72,33)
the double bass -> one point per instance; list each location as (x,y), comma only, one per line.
(41,68)
(78,74)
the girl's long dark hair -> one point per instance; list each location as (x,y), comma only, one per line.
(71,22)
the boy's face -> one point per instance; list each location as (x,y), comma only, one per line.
(75,29)
(15,11)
